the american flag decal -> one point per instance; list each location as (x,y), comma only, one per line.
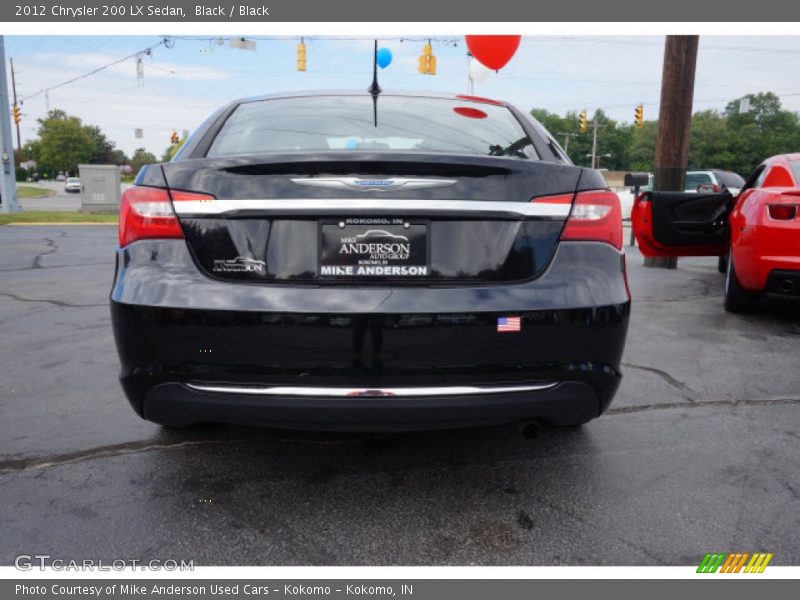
(505,324)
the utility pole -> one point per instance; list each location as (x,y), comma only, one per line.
(674,121)
(8,174)
(14,93)
(567,136)
(594,141)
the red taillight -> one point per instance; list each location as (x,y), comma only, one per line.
(783,212)
(146,212)
(596,216)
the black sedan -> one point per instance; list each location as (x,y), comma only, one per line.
(343,260)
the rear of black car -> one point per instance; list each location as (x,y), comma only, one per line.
(339,261)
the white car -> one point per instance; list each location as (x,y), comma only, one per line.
(713,181)
(73,184)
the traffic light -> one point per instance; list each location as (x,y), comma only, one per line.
(16,113)
(301,55)
(639,116)
(427,61)
(584,124)
(173,138)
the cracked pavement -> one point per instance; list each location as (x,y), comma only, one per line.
(699,452)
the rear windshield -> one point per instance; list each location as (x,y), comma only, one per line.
(795,164)
(695,179)
(404,124)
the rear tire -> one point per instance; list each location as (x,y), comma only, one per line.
(737,299)
(722,264)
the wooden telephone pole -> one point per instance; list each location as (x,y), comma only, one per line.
(674,121)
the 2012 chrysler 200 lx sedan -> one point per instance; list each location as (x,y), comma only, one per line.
(342,260)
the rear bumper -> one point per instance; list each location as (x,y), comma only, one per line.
(765,273)
(764,249)
(562,404)
(784,282)
(193,349)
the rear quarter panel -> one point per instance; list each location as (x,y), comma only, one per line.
(760,244)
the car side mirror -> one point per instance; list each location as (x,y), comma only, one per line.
(636,179)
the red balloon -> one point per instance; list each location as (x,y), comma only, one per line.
(493,51)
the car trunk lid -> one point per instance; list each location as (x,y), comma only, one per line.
(372,218)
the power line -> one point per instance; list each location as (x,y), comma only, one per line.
(163,42)
(282,38)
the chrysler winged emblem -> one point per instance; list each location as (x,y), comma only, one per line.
(372,185)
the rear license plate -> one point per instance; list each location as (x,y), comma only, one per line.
(374,248)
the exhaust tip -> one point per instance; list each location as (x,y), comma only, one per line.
(529,429)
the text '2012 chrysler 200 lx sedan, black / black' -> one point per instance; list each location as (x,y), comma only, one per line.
(343,260)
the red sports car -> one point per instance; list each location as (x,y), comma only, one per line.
(757,233)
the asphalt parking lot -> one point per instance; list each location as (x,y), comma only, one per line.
(700,451)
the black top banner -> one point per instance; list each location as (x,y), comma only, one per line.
(630,11)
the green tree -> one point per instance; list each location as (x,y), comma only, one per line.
(733,139)
(103,148)
(118,157)
(142,157)
(64,142)
(764,130)
(31,150)
(612,139)
(566,131)
(642,149)
(171,150)
(710,143)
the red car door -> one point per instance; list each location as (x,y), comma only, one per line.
(682,223)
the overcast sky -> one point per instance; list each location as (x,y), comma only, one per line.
(183,84)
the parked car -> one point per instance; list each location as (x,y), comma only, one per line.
(713,180)
(716,179)
(338,260)
(757,231)
(72,185)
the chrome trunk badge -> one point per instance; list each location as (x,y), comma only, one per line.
(372,185)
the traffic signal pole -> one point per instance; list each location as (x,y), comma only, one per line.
(14,94)
(8,175)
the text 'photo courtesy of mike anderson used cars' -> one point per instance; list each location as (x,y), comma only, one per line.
(755,231)
(365,260)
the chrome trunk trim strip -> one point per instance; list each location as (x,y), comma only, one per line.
(332,206)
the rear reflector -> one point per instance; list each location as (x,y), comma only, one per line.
(783,212)
(146,213)
(596,216)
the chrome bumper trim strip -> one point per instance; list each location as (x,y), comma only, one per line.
(345,392)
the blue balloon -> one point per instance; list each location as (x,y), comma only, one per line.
(384,57)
